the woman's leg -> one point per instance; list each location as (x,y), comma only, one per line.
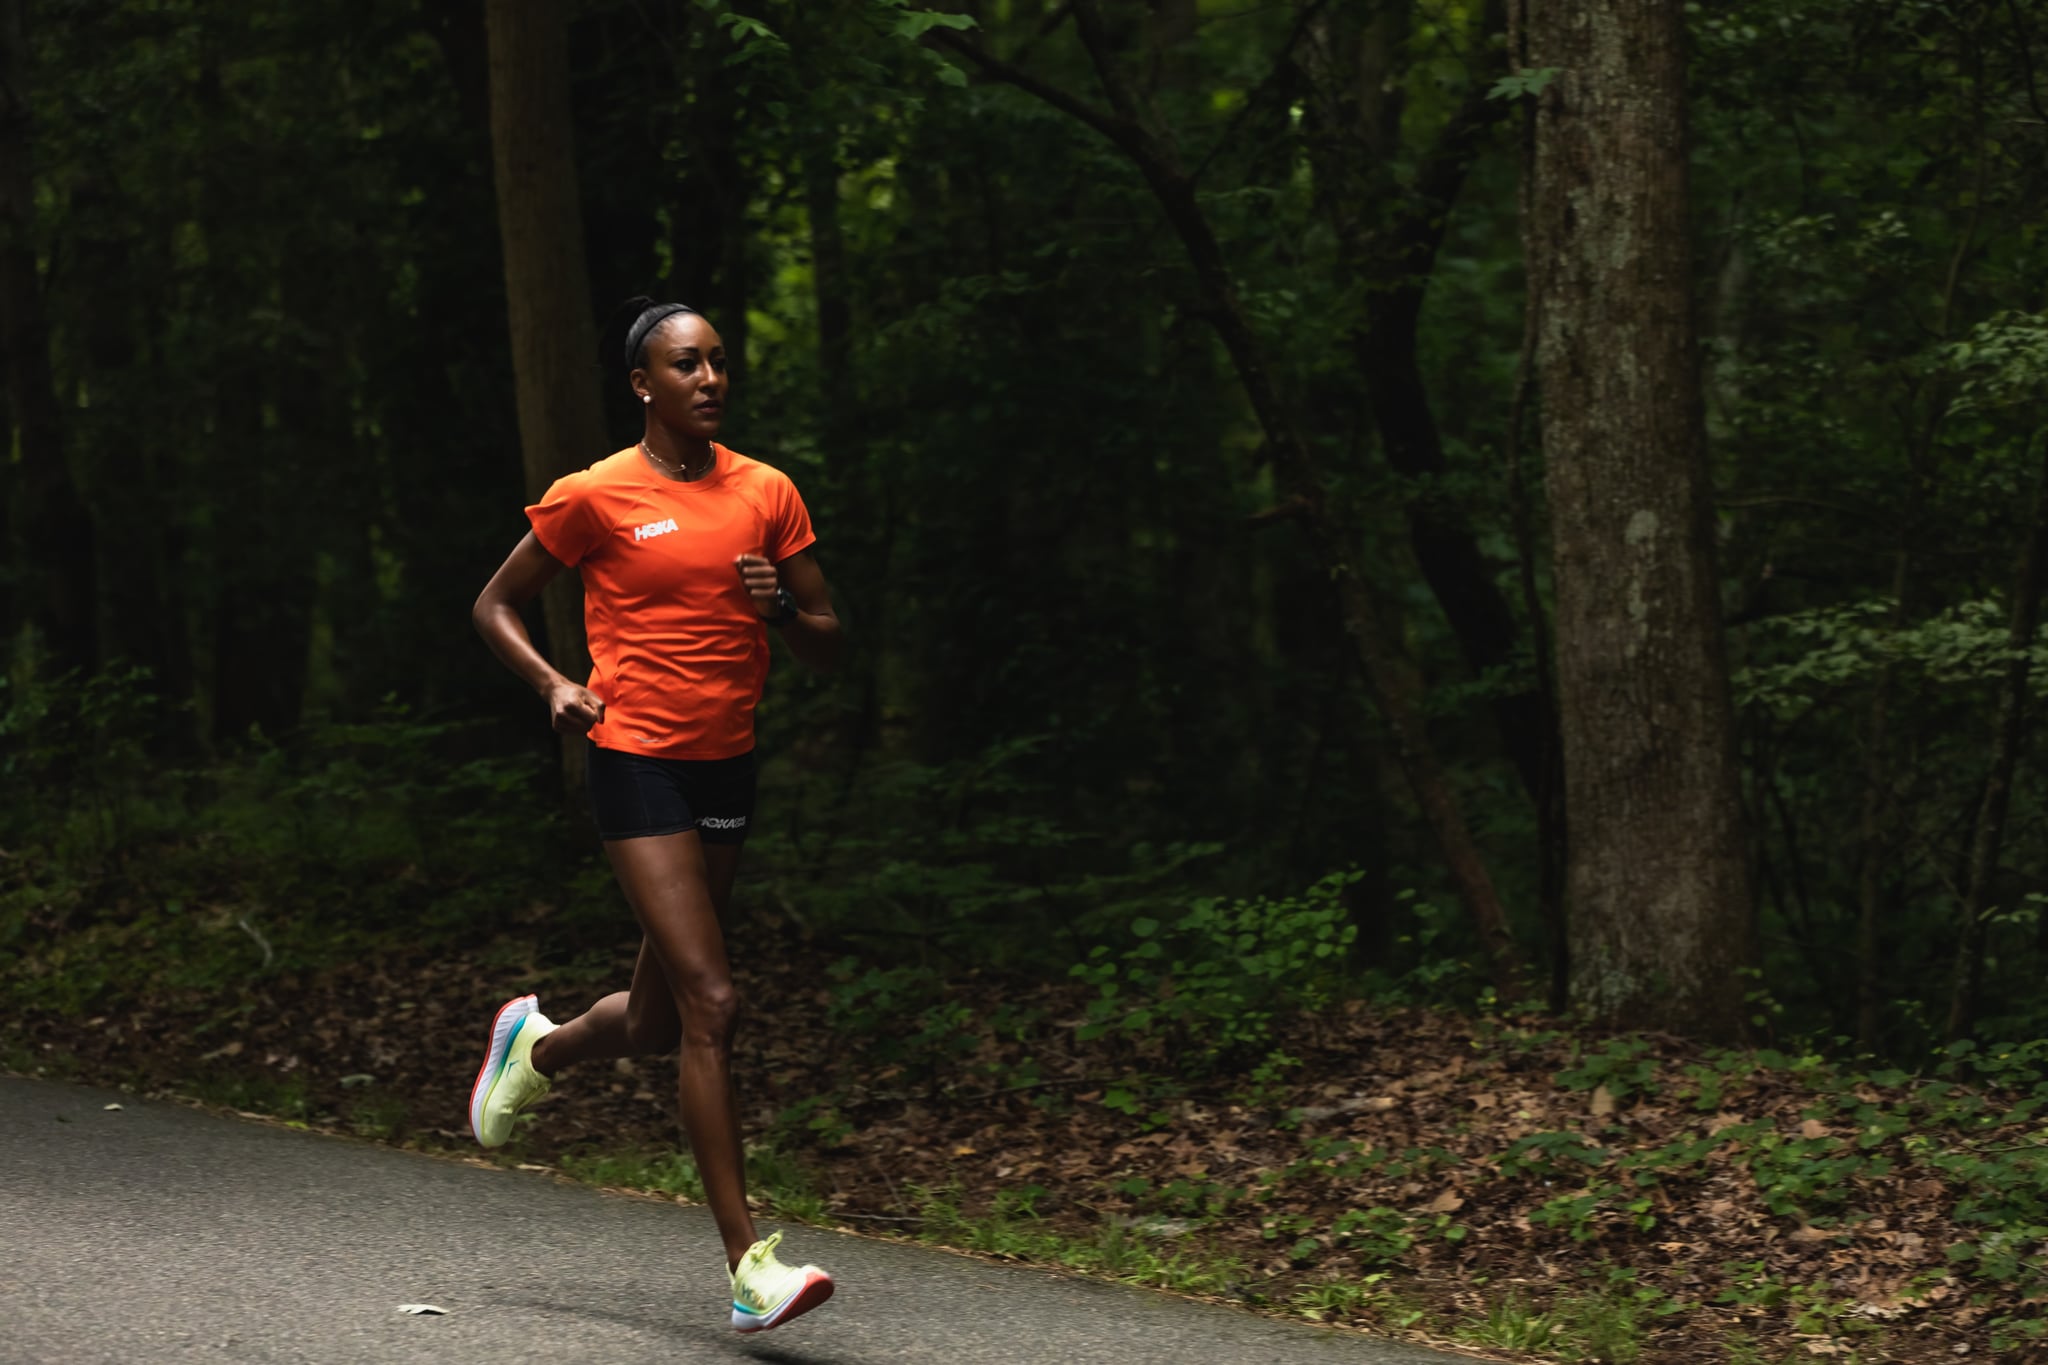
(720,862)
(669,881)
(640,1022)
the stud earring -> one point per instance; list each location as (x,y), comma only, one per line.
(647,398)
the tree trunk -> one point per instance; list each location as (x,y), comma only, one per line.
(2005,753)
(1551,833)
(540,224)
(709,242)
(50,531)
(1170,30)
(1657,874)
(1446,550)
(137,567)
(830,283)
(1352,62)
(1872,824)
(854,479)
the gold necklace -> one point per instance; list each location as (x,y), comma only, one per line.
(688,474)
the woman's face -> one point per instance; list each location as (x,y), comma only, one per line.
(684,380)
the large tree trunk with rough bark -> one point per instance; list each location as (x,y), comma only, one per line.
(554,342)
(1657,877)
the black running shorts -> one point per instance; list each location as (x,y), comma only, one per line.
(635,797)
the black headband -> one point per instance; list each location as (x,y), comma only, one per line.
(650,318)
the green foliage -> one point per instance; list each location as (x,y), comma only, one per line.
(780,1180)
(1376,1236)
(1626,1066)
(381,1118)
(281,1097)
(2004,362)
(958,859)
(1850,644)
(1435,965)
(913,24)
(1212,980)
(144,877)
(72,752)
(1197,1198)
(1809,1176)
(670,1173)
(774,1178)
(1366,1295)
(1511,1325)
(1576,1213)
(1607,1325)
(1551,1156)
(1012,1228)
(1524,84)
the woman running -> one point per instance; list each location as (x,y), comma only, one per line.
(689,551)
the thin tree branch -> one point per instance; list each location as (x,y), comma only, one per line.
(1122,131)
(1095,38)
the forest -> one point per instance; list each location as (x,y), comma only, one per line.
(1442,600)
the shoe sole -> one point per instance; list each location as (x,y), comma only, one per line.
(510,1015)
(816,1290)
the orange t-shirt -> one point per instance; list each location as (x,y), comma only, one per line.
(678,653)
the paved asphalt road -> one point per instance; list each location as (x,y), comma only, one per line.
(162,1234)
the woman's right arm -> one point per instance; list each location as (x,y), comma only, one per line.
(572,707)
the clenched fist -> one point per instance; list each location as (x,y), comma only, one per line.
(573,709)
(761,582)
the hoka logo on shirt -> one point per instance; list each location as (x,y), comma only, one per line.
(654,528)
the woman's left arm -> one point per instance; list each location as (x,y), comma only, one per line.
(812,631)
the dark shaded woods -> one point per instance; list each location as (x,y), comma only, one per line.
(1588,474)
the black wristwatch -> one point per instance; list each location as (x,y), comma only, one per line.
(786,606)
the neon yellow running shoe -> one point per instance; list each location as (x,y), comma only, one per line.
(766,1293)
(507,1083)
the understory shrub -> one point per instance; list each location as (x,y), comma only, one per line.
(1210,983)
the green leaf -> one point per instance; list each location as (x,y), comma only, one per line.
(1529,81)
(917,23)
